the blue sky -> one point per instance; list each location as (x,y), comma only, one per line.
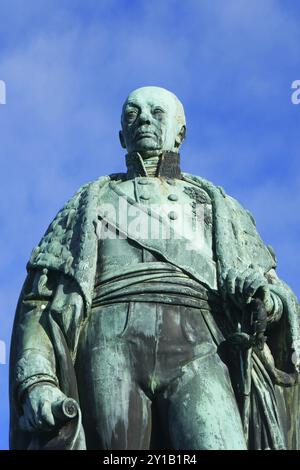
(69,64)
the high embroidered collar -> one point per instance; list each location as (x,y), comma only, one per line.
(168,165)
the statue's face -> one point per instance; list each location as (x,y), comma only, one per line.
(152,119)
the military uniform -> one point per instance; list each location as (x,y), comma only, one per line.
(151,332)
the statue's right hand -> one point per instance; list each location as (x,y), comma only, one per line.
(37,408)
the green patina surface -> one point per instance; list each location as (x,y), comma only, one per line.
(92,319)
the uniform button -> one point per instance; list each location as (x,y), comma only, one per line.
(145,197)
(173,197)
(172,215)
(143,182)
(171,182)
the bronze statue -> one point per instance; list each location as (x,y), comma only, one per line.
(152,315)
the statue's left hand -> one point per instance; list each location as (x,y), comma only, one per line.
(243,286)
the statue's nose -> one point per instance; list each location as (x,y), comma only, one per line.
(145,118)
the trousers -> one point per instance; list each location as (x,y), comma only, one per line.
(150,377)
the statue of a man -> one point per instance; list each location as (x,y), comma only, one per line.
(154,304)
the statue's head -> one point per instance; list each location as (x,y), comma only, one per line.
(152,120)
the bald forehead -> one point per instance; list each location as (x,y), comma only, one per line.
(152,94)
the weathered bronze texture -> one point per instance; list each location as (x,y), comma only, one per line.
(153,303)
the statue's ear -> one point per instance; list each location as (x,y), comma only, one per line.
(180,137)
(122,140)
